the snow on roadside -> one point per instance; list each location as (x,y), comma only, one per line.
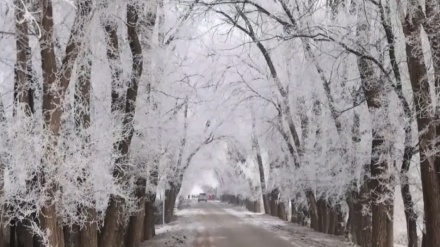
(179,233)
(299,236)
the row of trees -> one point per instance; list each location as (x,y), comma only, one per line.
(346,93)
(97,116)
(328,106)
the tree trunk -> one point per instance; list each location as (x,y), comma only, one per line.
(170,200)
(256,148)
(88,236)
(108,233)
(332,218)
(410,214)
(366,226)
(49,220)
(52,99)
(274,202)
(266,204)
(115,208)
(24,236)
(23,97)
(313,210)
(379,183)
(71,236)
(354,218)
(322,215)
(133,235)
(120,234)
(425,121)
(12,237)
(339,221)
(282,214)
(22,84)
(431,25)
(149,230)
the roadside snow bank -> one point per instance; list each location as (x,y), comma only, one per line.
(179,233)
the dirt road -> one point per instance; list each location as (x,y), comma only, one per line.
(221,229)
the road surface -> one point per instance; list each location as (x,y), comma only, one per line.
(218,228)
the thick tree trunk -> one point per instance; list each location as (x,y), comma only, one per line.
(108,233)
(134,233)
(425,120)
(52,98)
(4,235)
(114,210)
(322,215)
(313,210)
(88,236)
(120,234)
(282,214)
(266,204)
(23,101)
(332,218)
(24,236)
(170,200)
(366,227)
(355,218)
(49,220)
(339,221)
(274,202)
(431,26)
(71,236)
(379,183)
(149,230)
(135,228)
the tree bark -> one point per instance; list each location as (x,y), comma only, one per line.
(115,208)
(24,236)
(425,119)
(108,232)
(23,97)
(133,236)
(274,202)
(410,214)
(52,98)
(379,184)
(22,83)
(170,199)
(149,230)
(71,236)
(431,26)
(134,229)
(282,214)
(88,236)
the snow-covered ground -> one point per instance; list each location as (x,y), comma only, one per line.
(179,233)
